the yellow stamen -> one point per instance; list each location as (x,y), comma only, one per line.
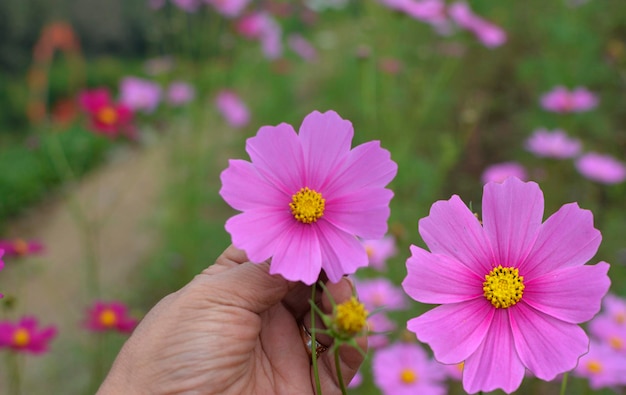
(594,366)
(620,317)
(460,366)
(351,317)
(108,318)
(21,337)
(616,342)
(503,286)
(107,115)
(408,376)
(307,205)
(20,246)
(369,251)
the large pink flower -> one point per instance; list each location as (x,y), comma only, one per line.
(306,196)
(512,290)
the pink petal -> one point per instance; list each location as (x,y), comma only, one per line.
(298,256)
(547,346)
(257,231)
(367,166)
(451,229)
(364,213)
(572,295)
(342,253)
(326,140)
(243,188)
(567,238)
(454,331)
(277,154)
(512,215)
(435,278)
(495,363)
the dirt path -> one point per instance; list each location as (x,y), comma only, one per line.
(52,286)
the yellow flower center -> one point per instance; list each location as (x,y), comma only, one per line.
(108,318)
(351,317)
(21,337)
(20,246)
(620,318)
(460,366)
(107,115)
(503,286)
(369,251)
(594,366)
(616,342)
(408,376)
(307,205)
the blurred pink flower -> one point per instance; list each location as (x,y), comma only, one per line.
(604,169)
(232,108)
(555,144)
(432,12)
(376,293)
(25,337)
(311,194)
(602,366)
(1,265)
(561,100)
(610,332)
(501,171)
(106,117)
(615,308)
(140,94)
(302,47)
(180,93)
(357,380)
(487,33)
(20,247)
(378,325)
(190,6)
(454,371)
(512,289)
(406,369)
(107,316)
(378,251)
(229,8)
(263,27)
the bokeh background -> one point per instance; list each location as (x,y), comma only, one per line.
(133,217)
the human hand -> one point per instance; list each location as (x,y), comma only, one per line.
(234,329)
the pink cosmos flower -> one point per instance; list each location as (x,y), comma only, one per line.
(306,196)
(377,293)
(610,332)
(555,144)
(602,366)
(615,309)
(601,168)
(229,8)
(561,100)
(454,372)
(432,12)
(487,33)
(20,247)
(25,337)
(405,369)
(512,289)
(140,94)
(263,27)
(180,93)
(302,47)
(109,316)
(106,117)
(501,171)
(232,108)
(378,251)
(378,325)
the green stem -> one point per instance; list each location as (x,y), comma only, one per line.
(344,391)
(316,373)
(15,382)
(564,384)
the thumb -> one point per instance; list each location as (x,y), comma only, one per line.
(247,285)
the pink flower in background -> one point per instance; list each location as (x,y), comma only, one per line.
(512,289)
(432,12)
(453,372)
(406,369)
(109,316)
(378,251)
(302,47)
(311,195)
(376,293)
(1,265)
(604,169)
(140,94)
(561,100)
(615,308)
(357,380)
(263,27)
(190,6)
(610,332)
(556,144)
(378,325)
(25,337)
(487,33)
(229,8)
(106,117)
(501,171)
(20,247)
(602,366)
(232,108)
(180,93)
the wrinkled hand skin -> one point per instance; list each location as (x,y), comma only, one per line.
(232,330)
